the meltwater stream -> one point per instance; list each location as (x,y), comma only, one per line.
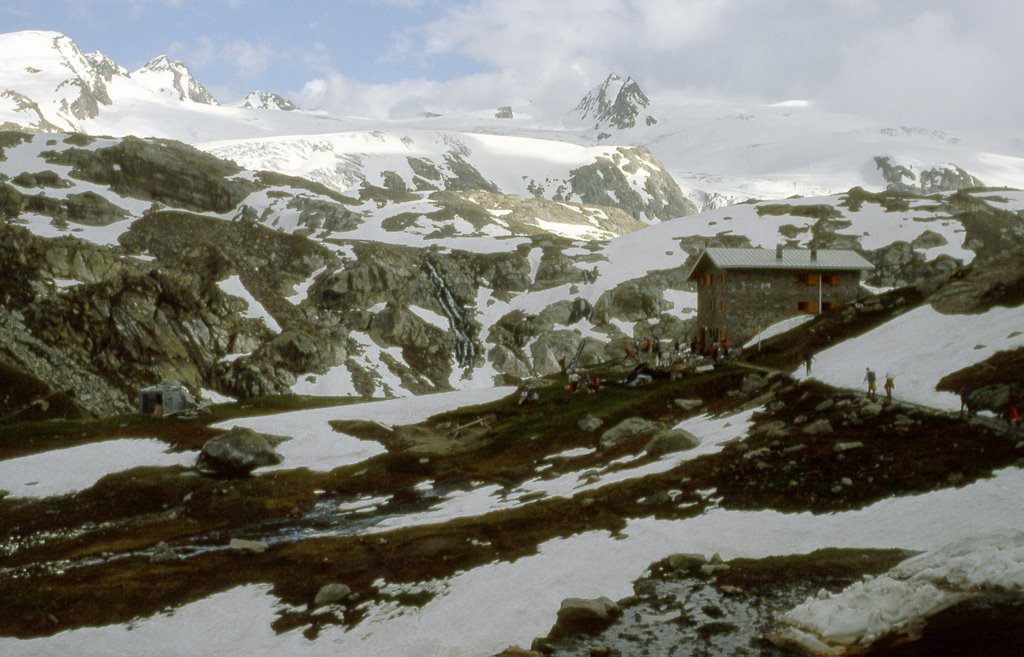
(465,346)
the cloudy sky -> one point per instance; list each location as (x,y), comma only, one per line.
(935,63)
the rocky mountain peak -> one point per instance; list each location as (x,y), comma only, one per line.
(51,60)
(617,103)
(104,66)
(173,78)
(267,100)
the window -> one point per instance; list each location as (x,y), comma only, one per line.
(807,306)
(721,306)
(809,279)
(830,305)
(833,279)
(721,278)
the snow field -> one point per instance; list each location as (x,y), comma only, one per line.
(713,433)
(587,565)
(315,445)
(920,347)
(65,471)
(254,309)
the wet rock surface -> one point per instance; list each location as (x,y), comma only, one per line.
(678,609)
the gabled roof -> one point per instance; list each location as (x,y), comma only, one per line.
(824,260)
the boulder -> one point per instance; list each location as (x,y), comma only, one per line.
(993,398)
(753,383)
(818,427)
(870,409)
(687,562)
(628,428)
(238,452)
(330,594)
(162,553)
(516,651)
(580,616)
(671,440)
(590,423)
(508,361)
(688,404)
(244,545)
(772,429)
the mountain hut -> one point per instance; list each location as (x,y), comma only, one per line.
(742,291)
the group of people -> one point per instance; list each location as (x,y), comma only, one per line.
(651,351)
(648,350)
(584,382)
(871,378)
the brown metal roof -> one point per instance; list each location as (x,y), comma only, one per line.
(825,260)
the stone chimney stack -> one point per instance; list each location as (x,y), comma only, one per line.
(814,255)
(778,252)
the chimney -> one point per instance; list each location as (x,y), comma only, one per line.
(814,255)
(778,252)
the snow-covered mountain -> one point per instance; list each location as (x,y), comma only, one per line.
(267,100)
(717,152)
(448,251)
(247,252)
(173,79)
(422,279)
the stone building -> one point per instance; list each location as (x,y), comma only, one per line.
(743,291)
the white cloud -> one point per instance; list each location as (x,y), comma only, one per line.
(937,62)
(929,72)
(247,59)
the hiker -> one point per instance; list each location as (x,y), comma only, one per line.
(890,383)
(586,382)
(966,402)
(725,347)
(528,397)
(872,381)
(574,379)
(561,363)
(1013,406)
(808,359)
(630,356)
(693,346)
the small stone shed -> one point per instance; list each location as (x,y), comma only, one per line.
(166,398)
(743,291)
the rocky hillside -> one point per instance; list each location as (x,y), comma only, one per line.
(731,509)
(133,261)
